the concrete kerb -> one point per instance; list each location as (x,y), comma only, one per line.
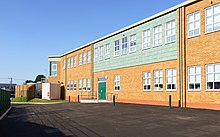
(35,103)
(5,113)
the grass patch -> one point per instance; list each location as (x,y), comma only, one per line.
(37,100)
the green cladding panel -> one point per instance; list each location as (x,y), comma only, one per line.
(165,52)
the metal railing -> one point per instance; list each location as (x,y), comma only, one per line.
(5,101)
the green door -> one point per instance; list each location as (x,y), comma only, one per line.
(102,90)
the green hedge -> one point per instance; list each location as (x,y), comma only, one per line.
(5,101)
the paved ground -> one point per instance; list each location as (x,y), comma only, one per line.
(104,120)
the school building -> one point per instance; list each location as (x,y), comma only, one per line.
(175,52)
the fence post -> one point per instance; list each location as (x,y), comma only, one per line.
(78,99)
(170,105)
(113,100)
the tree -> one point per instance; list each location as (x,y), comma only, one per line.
(29,81)
(38,78)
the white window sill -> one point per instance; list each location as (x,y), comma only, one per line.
(146,90)
(116,90)
(193,36)
(194,90)
(211,31)
(171,90)
(212,90)
(145,48)
(170,42)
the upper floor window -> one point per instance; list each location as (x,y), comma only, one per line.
(84,58)
(124,46)
(107,51)
(158,41)
(80,59)
(64,64)
(117,82)
(194,24)
(158,80)
(89,56)
(101,55)
(133,43)
(53,68)
(146,81)
(171,79)
(68,63)
(212,18)
(71,61)
(213,76)
(96,54)
(74,61)
(170,31)
(194,77)
(117,48)
(146,39)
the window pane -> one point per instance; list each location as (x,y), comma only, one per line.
(217,18)
(210,77)
(198,78)
(173,86)
(210,68)
(209,85)
(197,86)
(217,77)
(191,70)
(217,85)
(216,9)
(209,20)
(209,11)
(192,79)
(169,86)
(197,16)
(198,70)
(191,86)
(216,26)
(191,18)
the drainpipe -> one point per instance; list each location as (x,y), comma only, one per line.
(181,60)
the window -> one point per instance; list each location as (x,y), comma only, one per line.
(212,18)
(80,85)
(53,68)
(80,59)
(88,84)
(194,78)
(117,83)
(117,48)
(158,80)
(171,31)
(133,43)
(84,58)
(68,63)
(84,84)
(74,85)
(171,79)
(124,46)
(107,51)
(68,85)
(194,24)
(71,62)
(96,53)
(89,56)
(146,39)
(64,64)
(74,61)
(101,55)
(158,36)
(71,85)
(146,81)
(213,76)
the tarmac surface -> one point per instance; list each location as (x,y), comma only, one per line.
(105,120)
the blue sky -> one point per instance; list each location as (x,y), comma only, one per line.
(31,30)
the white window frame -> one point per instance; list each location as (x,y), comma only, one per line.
(215,74)
(84,58)
(212,17)
(101,54)
(74,61)
(158,80)
(84,84)
(146,40)
(74,85)
(52,68)
(80,85)
(80,59)
(89,56)
(117,48)
(68,63)
(170,32)
(146,81)
(117,83)
(133,43)
(88,84)
(107,51)
(96,54)
(171,76)
(158,35)
(196,75)
(64,64)
(124,46)
(193,23)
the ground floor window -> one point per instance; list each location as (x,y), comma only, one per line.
(171,79)
(117,83)
(84,84)
(213,76)
(194,77)
(80,85)
(88,84)
(158,80)
(74,85)
(146,81)
(71,85)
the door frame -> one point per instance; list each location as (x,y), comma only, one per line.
(98,89)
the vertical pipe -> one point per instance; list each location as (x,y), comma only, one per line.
(113,100)
(78,99)
(180,56)
(170,104)
(69,99)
